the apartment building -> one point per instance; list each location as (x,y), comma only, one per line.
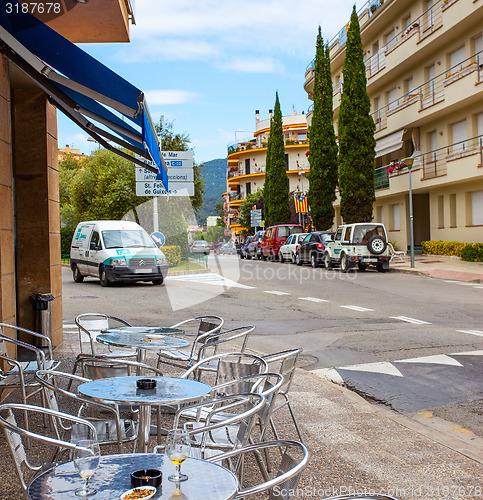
(247,162)
(424,67)
(41,70)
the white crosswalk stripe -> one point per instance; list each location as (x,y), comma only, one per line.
(312,299)
(411,320)
(479,333)
(275,292)
(357,308)
(209,279)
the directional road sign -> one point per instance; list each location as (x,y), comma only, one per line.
(174,175)
(156,188)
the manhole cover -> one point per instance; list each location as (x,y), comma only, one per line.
(305,360)
(85,297)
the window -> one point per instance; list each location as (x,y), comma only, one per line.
(95,241)
(338,235)
(380,214)
(408,85)
(477,208)
(456,58)
(479,124)
(247,166)
(392,99)
(433,140)
(407,21)
(431,73)
(248,188)
(478,44)
(440,212)
(375,58)
(396,225)
(459,135)
(347,235)
(391,39)
(429,13)
(452,210)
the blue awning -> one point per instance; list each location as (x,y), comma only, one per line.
(83,88)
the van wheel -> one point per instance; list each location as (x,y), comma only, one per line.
(345,265)
(327,261)
(103,278)
(159,281)
(77,276)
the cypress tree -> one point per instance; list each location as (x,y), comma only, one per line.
(278,192)
(356,134)
(323,146)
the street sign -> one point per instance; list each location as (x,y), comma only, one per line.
(255,217)
(174,175)
(179,163)
(156,188)
(177,155)
(158,238)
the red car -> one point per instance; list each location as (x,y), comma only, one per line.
(275,237)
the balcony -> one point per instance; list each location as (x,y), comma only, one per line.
(236,196)
(252,145)
(434,91)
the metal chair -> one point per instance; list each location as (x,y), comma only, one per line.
(21,374)
(110,430)
(211,434)
(293,458)
(199,327)
(91,324)
(15,433)
(399,254)
(226,367)
(286,362)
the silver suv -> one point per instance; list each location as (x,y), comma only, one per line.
(364,244)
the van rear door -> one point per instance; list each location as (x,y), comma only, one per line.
(79,252)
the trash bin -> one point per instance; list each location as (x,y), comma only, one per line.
(42,314)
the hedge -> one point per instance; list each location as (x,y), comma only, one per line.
(470,252)
(173,255)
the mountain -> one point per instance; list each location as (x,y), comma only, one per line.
(214,175)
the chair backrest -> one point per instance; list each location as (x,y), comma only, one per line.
(212,342)
(14,434)
(284,362)
(227,367)
(91,324)
(281,483)
(40,353)
(96,367)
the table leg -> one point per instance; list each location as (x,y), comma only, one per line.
(144,427)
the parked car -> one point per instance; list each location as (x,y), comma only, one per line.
(254,249)
(289,248)
(244,248)
(199,246)
(210,244)
(363,243)
(228,248)
(275,237)
(312,249)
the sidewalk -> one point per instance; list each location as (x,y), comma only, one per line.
(440,266)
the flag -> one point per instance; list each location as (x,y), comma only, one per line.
(301,204)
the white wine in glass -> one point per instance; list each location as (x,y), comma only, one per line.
(86,457)
(178,448)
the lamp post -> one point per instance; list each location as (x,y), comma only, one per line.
(409,163)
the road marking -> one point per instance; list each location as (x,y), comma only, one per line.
(380,367)
(437,359)
(479,287)
(69,326)
(357,308)
(450,281)
(468,353)
(472,332)
(275,292)
(313,299)
(410,320)
(465,284)
(209,279)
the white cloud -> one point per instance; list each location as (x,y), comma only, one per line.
(169,96)
(255,65)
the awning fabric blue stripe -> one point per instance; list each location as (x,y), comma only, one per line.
(73,63)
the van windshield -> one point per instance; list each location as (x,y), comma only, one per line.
(288,230)
(122,238)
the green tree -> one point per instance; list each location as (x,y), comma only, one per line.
(180,142)
(214,233)
(356,134)
(278,189)
(244,217)
(323,145)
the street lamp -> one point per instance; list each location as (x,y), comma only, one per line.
(409,163)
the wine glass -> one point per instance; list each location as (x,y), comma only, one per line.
(86,459)
(178,448)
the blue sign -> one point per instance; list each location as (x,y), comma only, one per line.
(176,163)
(158,238)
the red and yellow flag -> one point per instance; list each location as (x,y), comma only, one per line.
(301,204)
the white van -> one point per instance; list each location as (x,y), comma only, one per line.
(114,250)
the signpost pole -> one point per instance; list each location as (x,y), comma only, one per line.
(155,214)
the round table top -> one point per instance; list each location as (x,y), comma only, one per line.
(123,390)
(142,341)
(113,477)
(147,330)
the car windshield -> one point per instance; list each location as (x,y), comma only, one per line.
(123,238)
(288,230)
(362,234)
(325,238)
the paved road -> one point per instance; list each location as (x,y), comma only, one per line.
(408,342)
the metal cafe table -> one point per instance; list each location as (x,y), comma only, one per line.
(143,338)
(112,478)
(124,391)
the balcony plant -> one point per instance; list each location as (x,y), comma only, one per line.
(395,166)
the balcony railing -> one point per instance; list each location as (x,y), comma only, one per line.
(434,163)
(432,91)
(236,196)
(235,148)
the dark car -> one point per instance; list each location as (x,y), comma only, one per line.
(254,249)
(312,249)
(244,249)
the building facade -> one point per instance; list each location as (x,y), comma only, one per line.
(29,178)
(424,68)
(247,163)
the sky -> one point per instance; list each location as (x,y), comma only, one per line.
(207,65)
